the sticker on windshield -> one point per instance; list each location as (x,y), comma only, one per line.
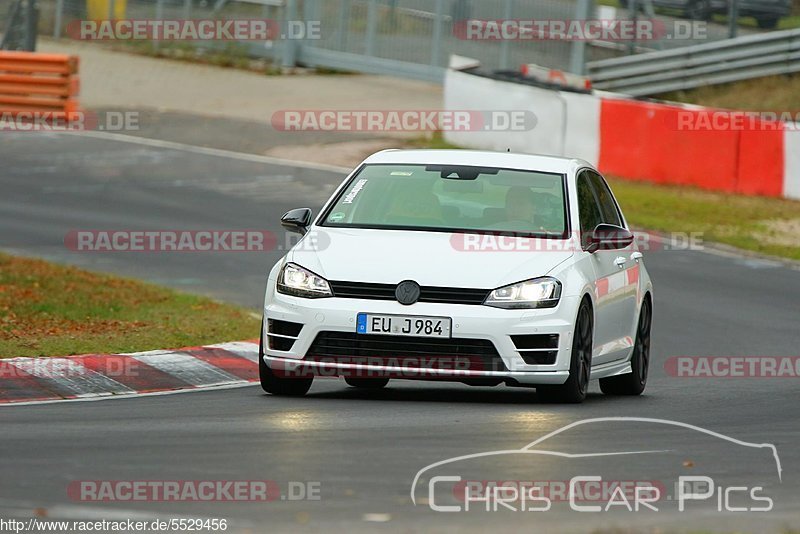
(338,216)
(351,196)
(400,173)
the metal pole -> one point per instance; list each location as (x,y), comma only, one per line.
(289,45)
(505,44)
(59,19)
(187,9)
(30,25)
(159,16)
(733,19)
(112,9)
(436,49)
(372,27)
(577,60)
(344,23)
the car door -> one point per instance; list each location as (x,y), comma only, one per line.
(621,277)
(590,215)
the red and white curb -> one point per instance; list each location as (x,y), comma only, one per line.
(95,376)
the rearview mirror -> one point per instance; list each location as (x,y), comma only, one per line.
(297,220)
(609,237)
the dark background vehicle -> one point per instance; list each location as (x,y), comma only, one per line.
(766,12)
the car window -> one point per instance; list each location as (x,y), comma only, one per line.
(588,209)
(452,198)
(605,198)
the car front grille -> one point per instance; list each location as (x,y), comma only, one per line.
(445,295)
(406,351)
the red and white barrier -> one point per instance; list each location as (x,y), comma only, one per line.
(637,140)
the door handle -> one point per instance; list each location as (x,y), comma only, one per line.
(620,262)
(636,256)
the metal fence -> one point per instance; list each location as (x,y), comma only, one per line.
(407,38)
(726,61)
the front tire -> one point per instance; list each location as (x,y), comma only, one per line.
(275,385)
(574,390)
(633,383)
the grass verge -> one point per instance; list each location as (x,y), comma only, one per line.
(773,93)
(759,224)
(52,310)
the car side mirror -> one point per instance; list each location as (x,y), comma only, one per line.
(609,237)
(297,220)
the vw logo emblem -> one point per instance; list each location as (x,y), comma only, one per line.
(407,292)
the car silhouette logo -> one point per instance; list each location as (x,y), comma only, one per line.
(407,292)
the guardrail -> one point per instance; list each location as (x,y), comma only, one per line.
(33,82)
(752,56)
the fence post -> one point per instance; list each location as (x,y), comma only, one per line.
(577,60)
(436,48)
(344,23)
(505,45)
(733,19)
(372,27)
(59,19)
(289,45)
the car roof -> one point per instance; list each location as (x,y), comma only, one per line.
(508,160)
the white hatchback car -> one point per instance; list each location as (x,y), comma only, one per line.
(477,267)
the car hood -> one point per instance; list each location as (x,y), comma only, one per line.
(428,258)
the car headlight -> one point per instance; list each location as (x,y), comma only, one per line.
(537,293)
(299,282)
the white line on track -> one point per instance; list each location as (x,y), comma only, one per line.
(158,143)
(241,384)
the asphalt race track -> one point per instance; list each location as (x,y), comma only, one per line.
(364,449)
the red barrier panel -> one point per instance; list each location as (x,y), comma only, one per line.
(761,164)
(641,141)
(669,144)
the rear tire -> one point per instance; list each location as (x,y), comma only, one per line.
(573,391)
(366,383)
(275,385)
(633,383)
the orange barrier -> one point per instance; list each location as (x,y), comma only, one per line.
(31,82)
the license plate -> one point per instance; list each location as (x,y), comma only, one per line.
(403,325)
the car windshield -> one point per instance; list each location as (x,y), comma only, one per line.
(452,198)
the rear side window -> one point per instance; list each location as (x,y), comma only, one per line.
(608,207)
(588,209)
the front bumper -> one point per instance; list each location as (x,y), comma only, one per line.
(469,321)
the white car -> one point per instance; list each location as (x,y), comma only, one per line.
(477,267)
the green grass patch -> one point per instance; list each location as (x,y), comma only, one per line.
(53,310)
(760,224)
(773,93)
